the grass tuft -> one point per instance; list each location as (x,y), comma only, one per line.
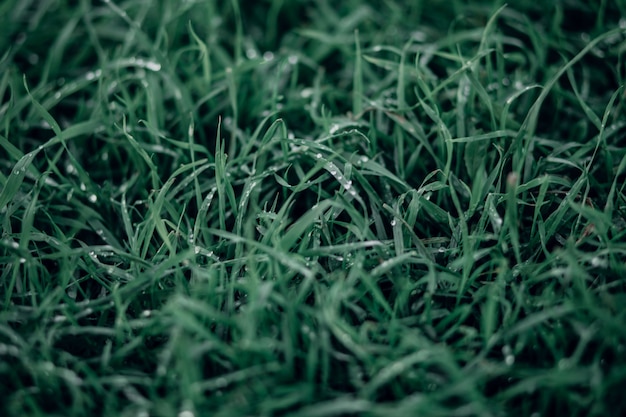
(289,208)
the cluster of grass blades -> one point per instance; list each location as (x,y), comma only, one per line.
(298,208)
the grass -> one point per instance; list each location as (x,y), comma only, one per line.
(295,208)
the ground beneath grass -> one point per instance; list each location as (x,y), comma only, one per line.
(312,208)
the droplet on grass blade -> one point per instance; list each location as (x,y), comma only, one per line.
(91,75)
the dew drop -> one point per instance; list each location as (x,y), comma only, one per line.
(91,75)
(71,169)
(149,65)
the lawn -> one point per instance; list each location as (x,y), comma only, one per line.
(300,208)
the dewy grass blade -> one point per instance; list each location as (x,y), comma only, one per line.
(204,56)
(528,129)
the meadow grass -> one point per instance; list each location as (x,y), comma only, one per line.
(312,208)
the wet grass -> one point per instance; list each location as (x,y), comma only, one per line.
(294,208)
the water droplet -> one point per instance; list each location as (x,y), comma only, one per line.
(598,262)
(564,364)
(148,64)
(93,75)
(347,185)
(306,93)
(146,313)
(393,223)
(70,169)
(93,198)
(293,59)
(268,56)
(251,53)
(318,156)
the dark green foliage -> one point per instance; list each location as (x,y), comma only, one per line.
(312,208)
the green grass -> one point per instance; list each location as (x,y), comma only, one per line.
(312,208)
